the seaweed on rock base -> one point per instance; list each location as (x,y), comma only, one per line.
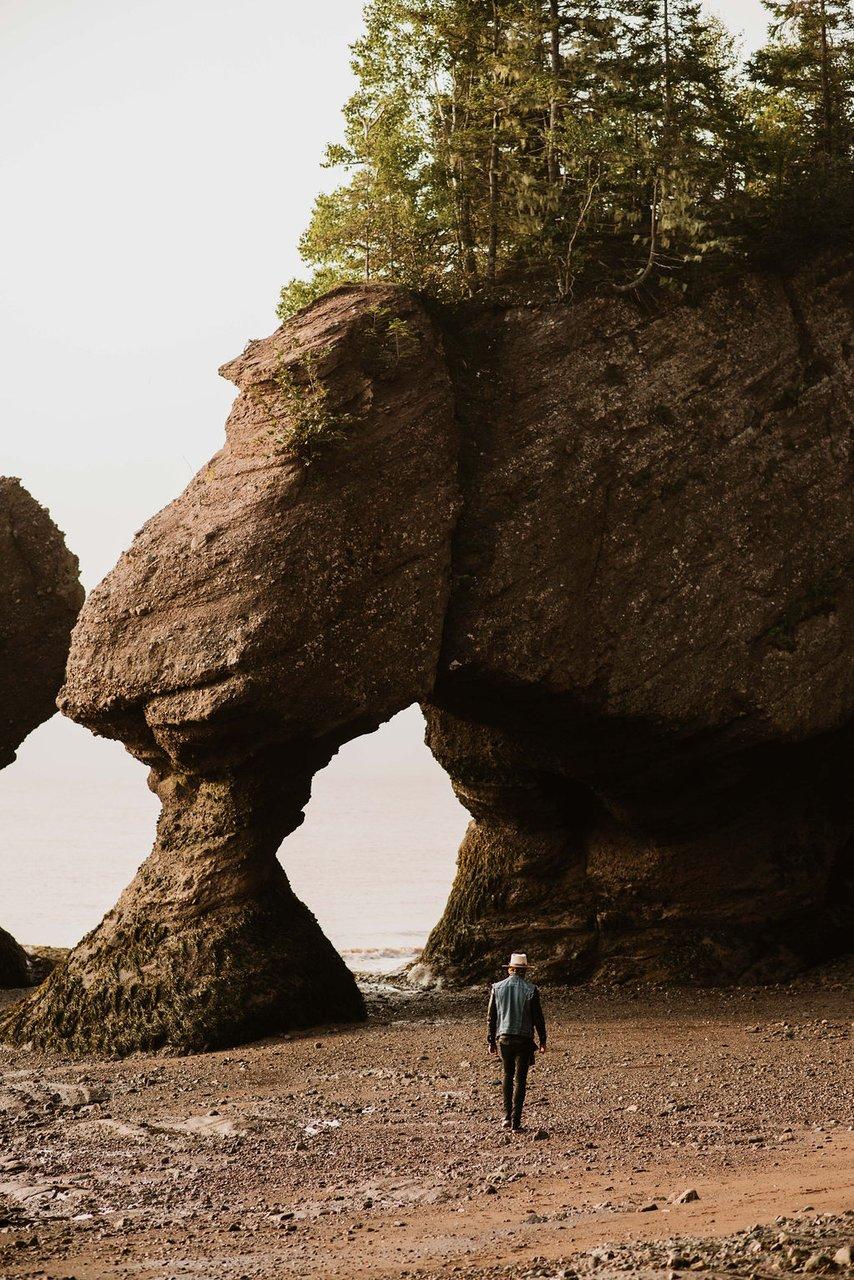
(254,972)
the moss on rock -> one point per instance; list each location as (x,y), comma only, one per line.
(237,976)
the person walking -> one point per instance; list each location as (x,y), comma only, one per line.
(515,1013)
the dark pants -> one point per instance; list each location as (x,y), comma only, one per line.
(516,1054)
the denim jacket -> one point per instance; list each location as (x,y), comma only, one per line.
(515,1010)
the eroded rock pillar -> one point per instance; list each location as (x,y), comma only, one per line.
(682,868)
(651,599)
(521,880)
(292,598)
(209,945)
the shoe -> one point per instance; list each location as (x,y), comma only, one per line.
(518,1128)
(505,1124)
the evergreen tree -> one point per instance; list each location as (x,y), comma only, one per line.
(675,87)
(800,167)
(809,63)
(494,143)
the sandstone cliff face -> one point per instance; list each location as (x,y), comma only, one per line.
(603,547)
(40,597)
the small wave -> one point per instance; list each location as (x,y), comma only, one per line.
(381,953)
(379,960)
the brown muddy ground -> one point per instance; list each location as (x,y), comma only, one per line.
(375,1151)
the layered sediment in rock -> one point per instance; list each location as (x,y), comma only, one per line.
(604,547)
(212,945)
(40,597)
(292,598)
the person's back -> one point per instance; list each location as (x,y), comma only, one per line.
(514,998)
(514,1014)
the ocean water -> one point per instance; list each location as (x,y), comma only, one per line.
(374,858)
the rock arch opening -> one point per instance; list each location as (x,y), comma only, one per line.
(375,855)
(279,608)
(77,822)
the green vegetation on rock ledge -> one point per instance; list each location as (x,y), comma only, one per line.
(304,399)
(568,144)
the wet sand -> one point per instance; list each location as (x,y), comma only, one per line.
(376,1151)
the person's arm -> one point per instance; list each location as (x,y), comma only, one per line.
(492,1021)
(539,1020)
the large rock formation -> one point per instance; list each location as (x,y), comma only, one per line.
(603,546)
(14,965)
(292,598)
(40,597)
(645,690)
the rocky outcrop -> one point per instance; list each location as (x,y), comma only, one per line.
(14,965)
(605,549)
(645,690)
(292,598)
(40,597)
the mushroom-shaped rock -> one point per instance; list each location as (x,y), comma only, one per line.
(291,598)
(40,597)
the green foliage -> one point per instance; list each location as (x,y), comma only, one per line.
(389,342)
(575,142)
(806,72)
(302,399)
(401,337)
(800,176)
(297,294)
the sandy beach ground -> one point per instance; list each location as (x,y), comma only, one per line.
(376,1151)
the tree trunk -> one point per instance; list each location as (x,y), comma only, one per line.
(554,40)
(492,235)
(492,244)
(462,199)
(827,106)
(668,89)
(467,234)
(646,271)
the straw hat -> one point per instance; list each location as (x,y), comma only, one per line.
(518,960)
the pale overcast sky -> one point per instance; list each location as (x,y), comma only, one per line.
(158,160)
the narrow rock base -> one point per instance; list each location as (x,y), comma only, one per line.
(209,946)
(247,973)
(739,873)
(583,918)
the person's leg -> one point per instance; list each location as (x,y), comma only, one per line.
(508,1062)
(520,1084)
